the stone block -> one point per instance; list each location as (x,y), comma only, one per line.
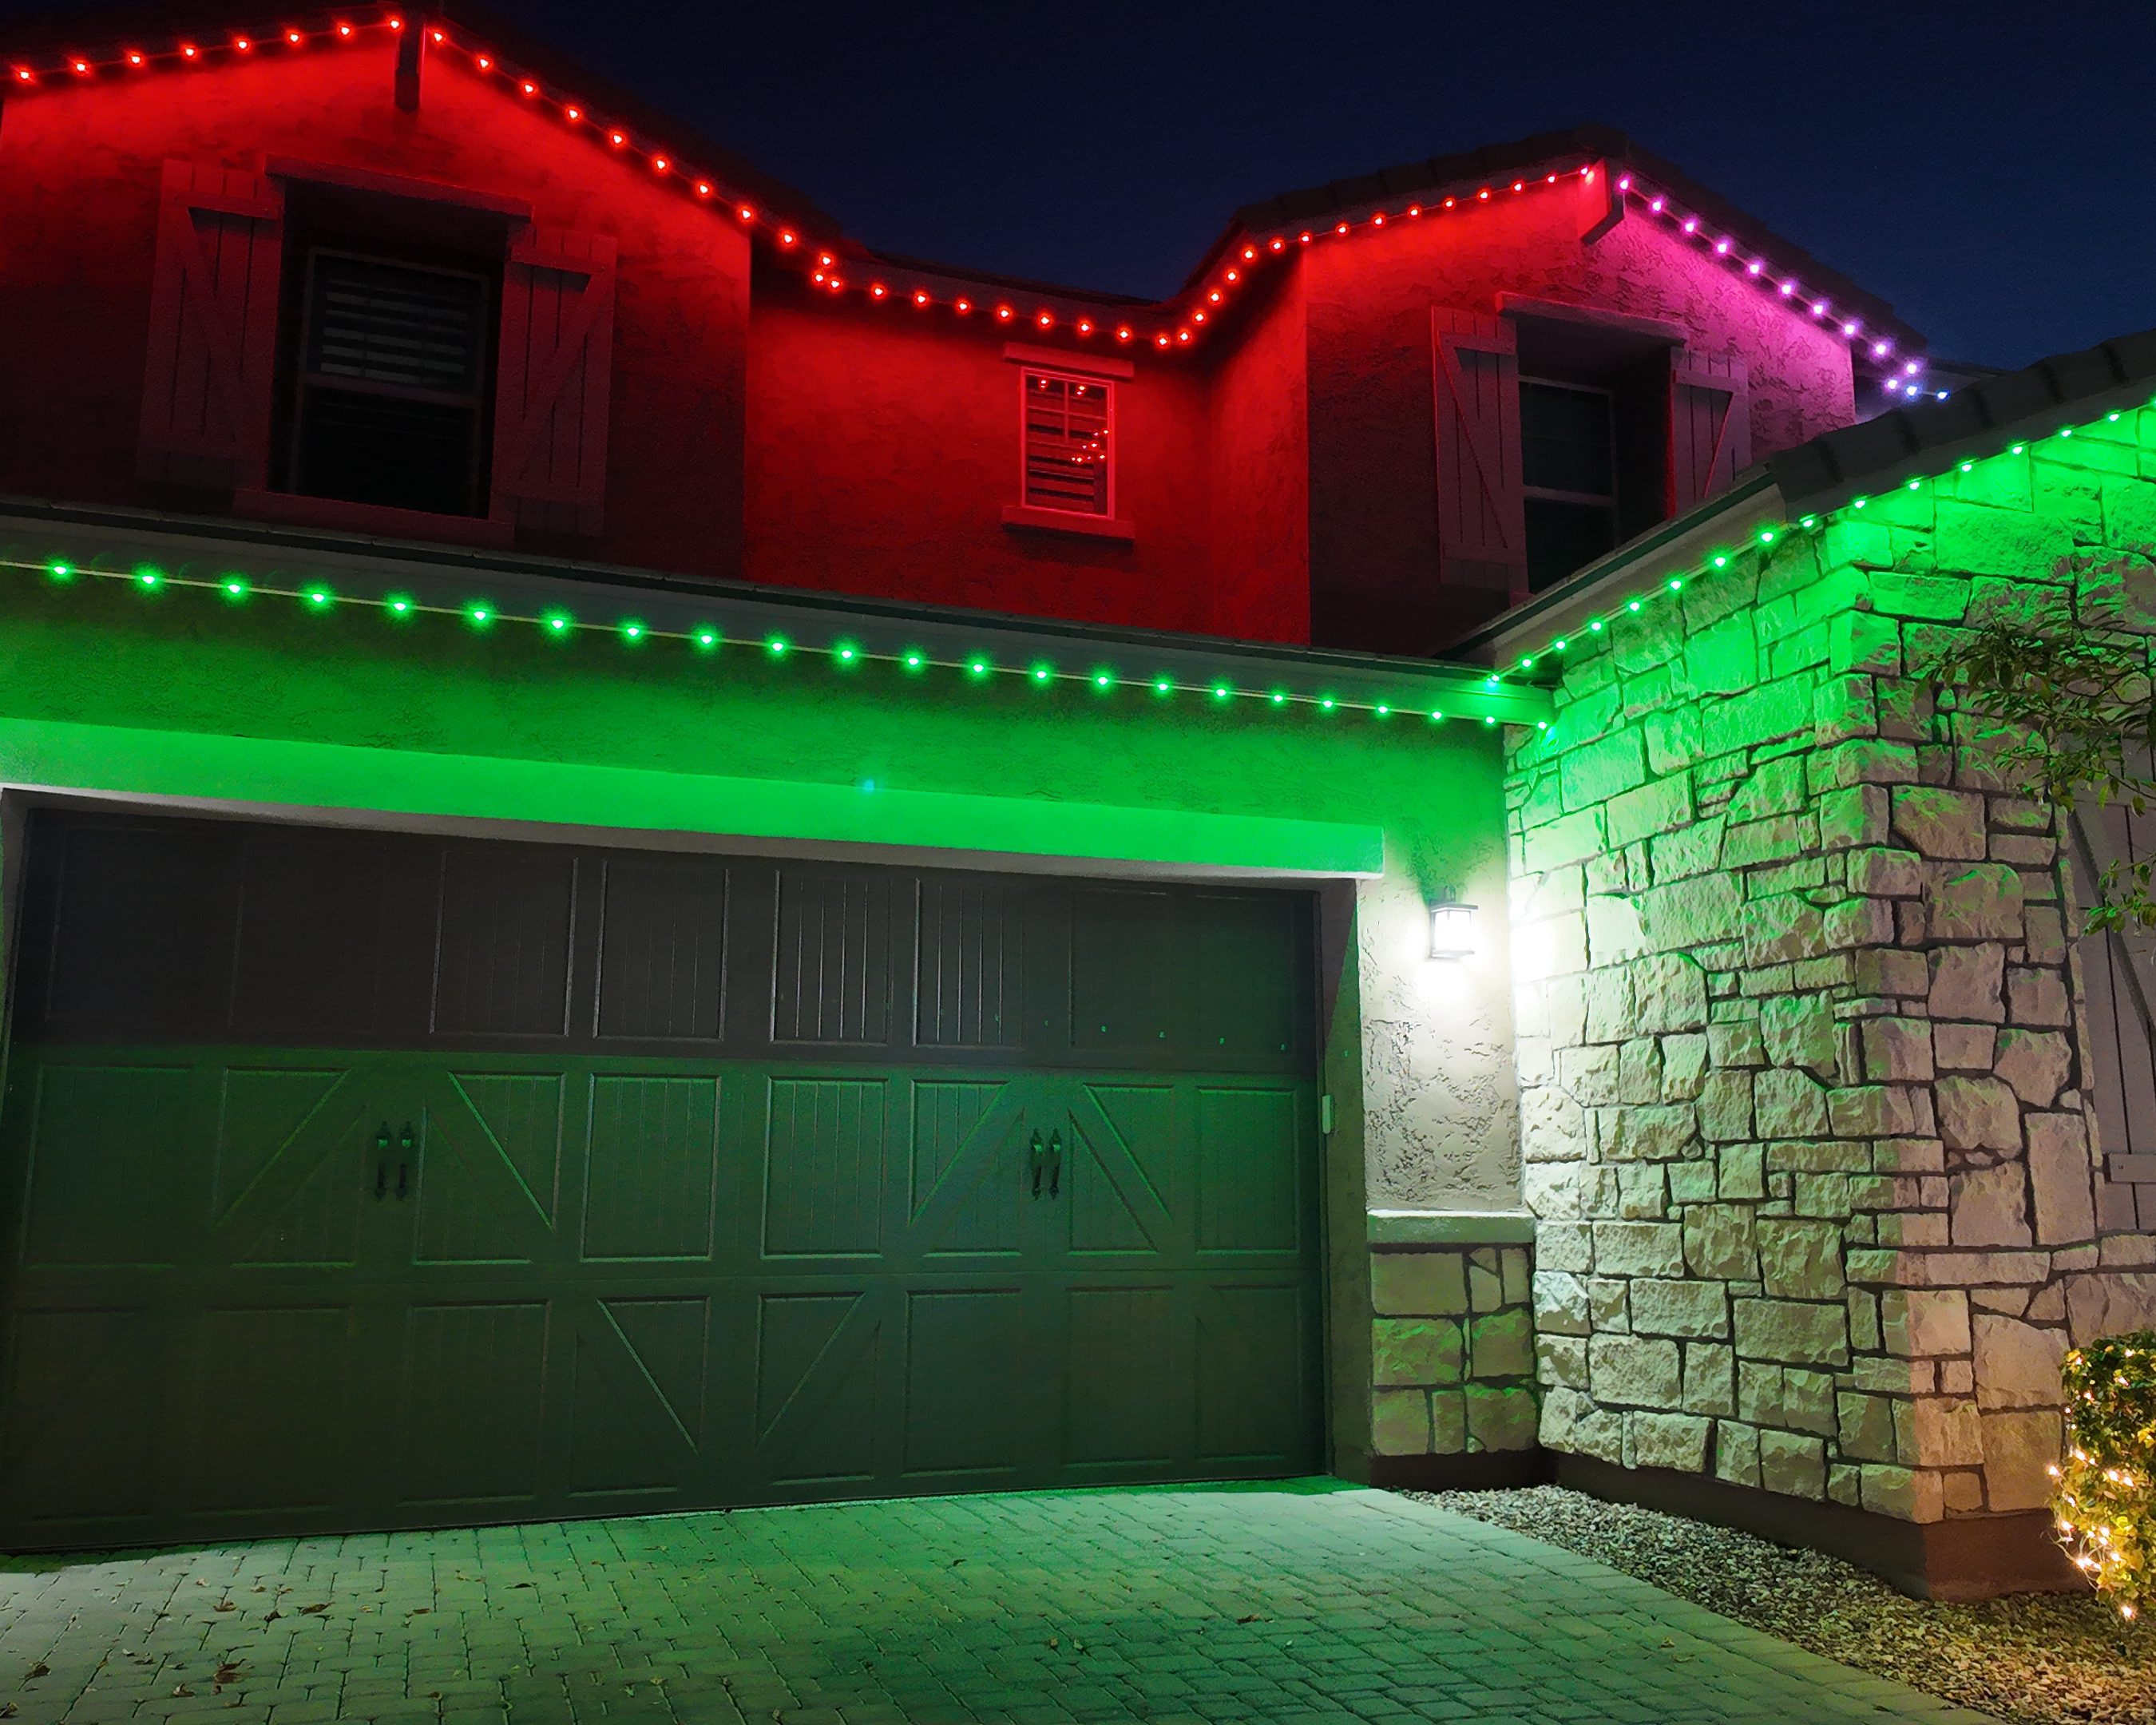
(1500,1418)
(1902,1492)
(1659,806)
(1896,1049)
(1885,873)
(1943,1431)
(1935,822)
(1724,1109)
(1793,1465)
(1990,1206)
(1640,1248)
(1771,788)
(1735,1043)
(1643,1191)
(1607,1310)
(1792,1331)
(1418,1283)
(1678,1441)
(1710,1379)
(1980,902)
(1564,1245)
(1613,930)
(1864,1425)
(1694,1309)
(1399,1422)
(1740,1170)
(1692,912)
(1574,1425)
(1502,1344)
(1634,1371)
(1572,839)
(1878,1110)
(1736,1453)
(1762,712)
(1799,1259)
(1783,837)
(1594,774)
(1561,1360)
(1607,996)
(1588,1074)
(1660,1131)
(1669,993)
(1887,971)
(1776,930)
(1448,1422)
(1855,816)
(1978,1114)
(1963,1048)
(1966,983)
(1808,1400)
(2037,997)
(1561,1303)
(1684,1066)
(1640,1070)
(1414,1350)
(1922,1324)
(1515,1265)
(2017,1363)
(1788,1104)
(2060,1179)
(2018,1448)
(1799,1031)
(1717,1243)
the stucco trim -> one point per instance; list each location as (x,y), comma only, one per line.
(58,755)
(1422,1228)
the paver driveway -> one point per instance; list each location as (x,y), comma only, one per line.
(1199,1604)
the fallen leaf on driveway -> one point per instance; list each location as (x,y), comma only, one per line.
(40,1669)
(309,1610)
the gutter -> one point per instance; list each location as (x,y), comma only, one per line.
(35,533)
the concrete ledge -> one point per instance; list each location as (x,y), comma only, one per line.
(1964,1558)
(1449,1228)
(1481,1470)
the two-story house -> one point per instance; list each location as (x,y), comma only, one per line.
(654,859)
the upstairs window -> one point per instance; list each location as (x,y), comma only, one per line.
(1069,430)
(1569,477)
(392,385)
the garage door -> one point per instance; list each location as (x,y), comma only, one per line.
(367,1181)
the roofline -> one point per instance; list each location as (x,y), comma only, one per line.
(811,619)
(775,213)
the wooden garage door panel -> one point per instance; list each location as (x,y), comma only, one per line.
(719,1186)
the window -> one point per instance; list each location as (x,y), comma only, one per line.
(1068,425)
(391,385)
(1569,477)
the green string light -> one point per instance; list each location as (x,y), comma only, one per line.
(561,624)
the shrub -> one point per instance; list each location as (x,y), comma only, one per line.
(2105,1496)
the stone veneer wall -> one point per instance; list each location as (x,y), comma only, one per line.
(1804,1078)
(1452,1342)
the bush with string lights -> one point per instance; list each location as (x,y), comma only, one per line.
(2104,1490)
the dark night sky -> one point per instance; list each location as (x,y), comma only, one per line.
(1985,167)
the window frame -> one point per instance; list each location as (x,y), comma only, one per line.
(479,402)
(1609,502)
(1026,518)
(1027,371)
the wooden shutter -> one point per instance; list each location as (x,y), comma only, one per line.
(212,352)
(550,414)
(2118,971)
(1710,426)
(1482,529)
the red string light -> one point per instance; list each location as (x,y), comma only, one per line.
(1206,300)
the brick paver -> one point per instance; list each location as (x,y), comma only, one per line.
(1191,1606)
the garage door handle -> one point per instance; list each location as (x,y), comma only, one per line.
(381,1162)
(1034,1160)
(1055,1163)
(405,1144)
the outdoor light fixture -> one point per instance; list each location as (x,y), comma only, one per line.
(1451,930)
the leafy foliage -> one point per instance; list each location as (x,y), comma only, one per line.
(2072,715)
(2105,1493)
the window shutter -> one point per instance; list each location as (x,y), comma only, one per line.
(206,386)
(2118,970)
(1481,530)
(1710,426)
(550,414)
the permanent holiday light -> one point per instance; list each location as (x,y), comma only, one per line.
(1187,314)
(1765,537)
(560,624)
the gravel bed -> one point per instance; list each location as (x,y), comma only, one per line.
(2031,1659)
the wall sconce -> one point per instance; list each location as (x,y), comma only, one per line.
(1451,931)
